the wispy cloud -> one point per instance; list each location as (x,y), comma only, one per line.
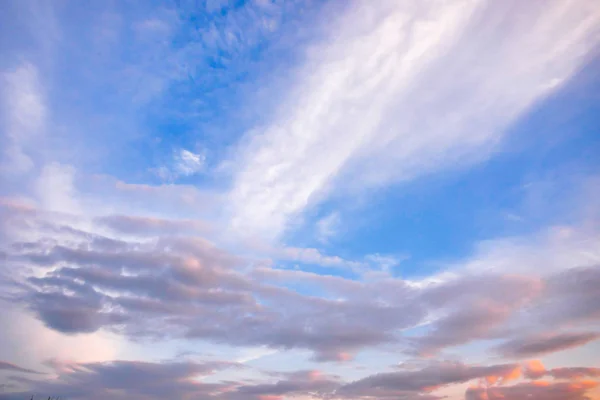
(55,188)
(328,226)
(25,117)
(150,380)
(385,87)
(185,163)
(12,367)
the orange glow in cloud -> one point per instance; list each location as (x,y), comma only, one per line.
(512,375)
(537,390)
(491,379)
(585,384)
(541,383)
(534,369)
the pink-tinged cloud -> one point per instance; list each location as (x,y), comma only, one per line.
(183,380)
(426,380)
(536,390)
(534,369)
(186,287)
(575,373)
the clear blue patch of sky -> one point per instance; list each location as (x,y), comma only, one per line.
(100,81)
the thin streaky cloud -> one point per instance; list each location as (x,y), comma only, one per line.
(384,87)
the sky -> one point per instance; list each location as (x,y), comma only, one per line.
(303,199)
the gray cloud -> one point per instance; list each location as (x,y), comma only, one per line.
(178,286)
(129,380)
(537,345)
(314,383)
(572,296)
(181,380)
(472,307)
(87,282)
(186,379)
(394,384)
(501,289)
(6,366)
(462,326)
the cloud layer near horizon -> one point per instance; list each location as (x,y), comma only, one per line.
(128,379)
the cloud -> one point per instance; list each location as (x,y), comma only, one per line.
(383,86)
(27,341)
(130,379)
(579,298)
(185,163)
(150,226)
(534,346)
(538,390)
(328,226)
(391,384)
(12,367)
(56,189)
(314,256)
(574,373)
(534,369)
(463,326)
(180,380)
(185,379)
(85,282)
(466,308)
(165,282)
(385,262)
(165,196)
(552,249)
(26,115)
(188,163)
(312,383)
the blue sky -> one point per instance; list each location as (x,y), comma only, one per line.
(274,199)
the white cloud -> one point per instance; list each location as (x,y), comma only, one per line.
(185,163)
(415,86)
(56,189)
(255,353)
(385,262)
(550,250)
(328,226)
(153,27)
(188,163)
(314,256)
(25,117)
